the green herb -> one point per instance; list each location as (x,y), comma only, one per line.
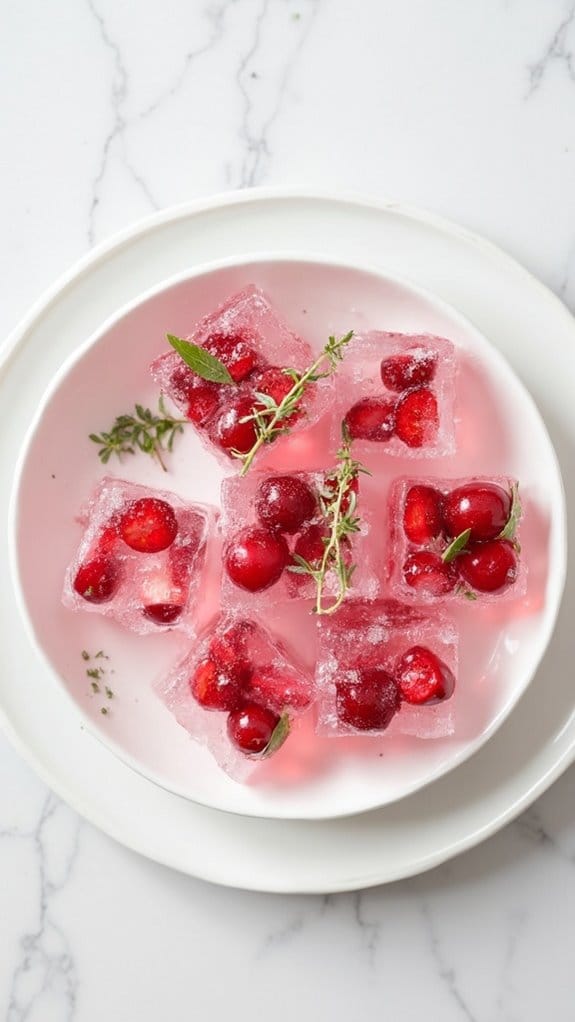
(200,361)
(144,431)
(100,654)
(95,687)
(510,528)
(338,504)
(456,546)
(95,672)
(109,692)
(462,590)
(273,419)
(279,735)
(104,710)
(85,654)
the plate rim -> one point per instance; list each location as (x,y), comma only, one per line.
(443,226)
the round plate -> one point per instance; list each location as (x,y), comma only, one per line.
(534,744)
(499,432)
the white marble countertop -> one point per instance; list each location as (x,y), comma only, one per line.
(114,109)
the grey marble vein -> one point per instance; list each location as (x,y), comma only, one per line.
(558,49)
(285,934)
(444,970)
(370,929)
(45,967)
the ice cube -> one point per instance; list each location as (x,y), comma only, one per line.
(151,584)
(396,394)
(385,668)
(248,336)
(235,665)
(277,515)
(426,516)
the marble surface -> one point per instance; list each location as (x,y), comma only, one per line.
(111,110)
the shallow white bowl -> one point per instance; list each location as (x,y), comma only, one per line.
(501,431)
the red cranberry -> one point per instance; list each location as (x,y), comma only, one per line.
(230,432)
(482,507)
(149,525)
(372,418)
(368,699)
(276,384)
(235,351)
(417,418)
(422,521)
(203,402)
(163,613)
(250,728)
(310,544)
(406,371)
(230,648)
(255,558)
(215,688)
(97,579)
(489,567)
(423,677)
(424,571)
(285,503)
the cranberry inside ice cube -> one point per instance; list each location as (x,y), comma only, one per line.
(97,579)
(407,370)
(163,613)
(216,688)
(231,432)
(255,558)
(367,699)
(423,677)
(251,728)
(149,525)
(424,571)
(417,418)
(489,567)
(284,503)
(482,507)
(422,518)
(235,351)
(372,418)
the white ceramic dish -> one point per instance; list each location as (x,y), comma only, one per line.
(500,432)
(534,744)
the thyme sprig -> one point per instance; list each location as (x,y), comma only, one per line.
(338,504)
(272,420)
(145,431)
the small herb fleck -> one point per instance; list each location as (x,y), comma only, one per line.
(100,654)
(104,710)
(53,476)
(109,692)
(95,687)
(95,672)
(85,654)
(296,16)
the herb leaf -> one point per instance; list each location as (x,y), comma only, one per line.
(200,361)
(152,434)
(456,546)
(510,527)
(279,735)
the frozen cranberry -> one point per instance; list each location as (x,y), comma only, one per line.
(368,699)
(277,385)
(230,648)
(372,418)
(251,728)
(203,402)
(255,558)
(422,514)
(215,688)
(97,579)
(417,418)
(182,381)
(163,613)
(424,571)
(406,371)
(482,507)
(231,432)
(278,687)
(149,525)
(110,535)
(310,544)
(489,567)
(235,351)
(423,677)
(284,503)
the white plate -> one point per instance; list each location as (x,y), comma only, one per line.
(532,747)
(499,432)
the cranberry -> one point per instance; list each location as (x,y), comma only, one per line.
(278,687)
(255,558)
(406,371)
(422,514)
(215,688)
(482,507)
(368,699)
(423,677)
(310,544)
(235,351)
(276,384)
(149,525)
(417,418)
(427,573)
(251,727)
(230,648)
(203,401)
(182,381)
(163,613)
(372,418)
(489,567)
(233,434)
(97,579)
(285,503)
(109,536)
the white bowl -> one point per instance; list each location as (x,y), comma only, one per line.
(501,432)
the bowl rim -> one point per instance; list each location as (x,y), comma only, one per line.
(556,578)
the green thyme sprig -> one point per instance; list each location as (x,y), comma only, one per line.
(273,419)
(144,431)
(338,503)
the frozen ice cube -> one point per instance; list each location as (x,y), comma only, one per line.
(235,665)
(152,583)
(256,346)
(385,668)
(426,516)
(396,394)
